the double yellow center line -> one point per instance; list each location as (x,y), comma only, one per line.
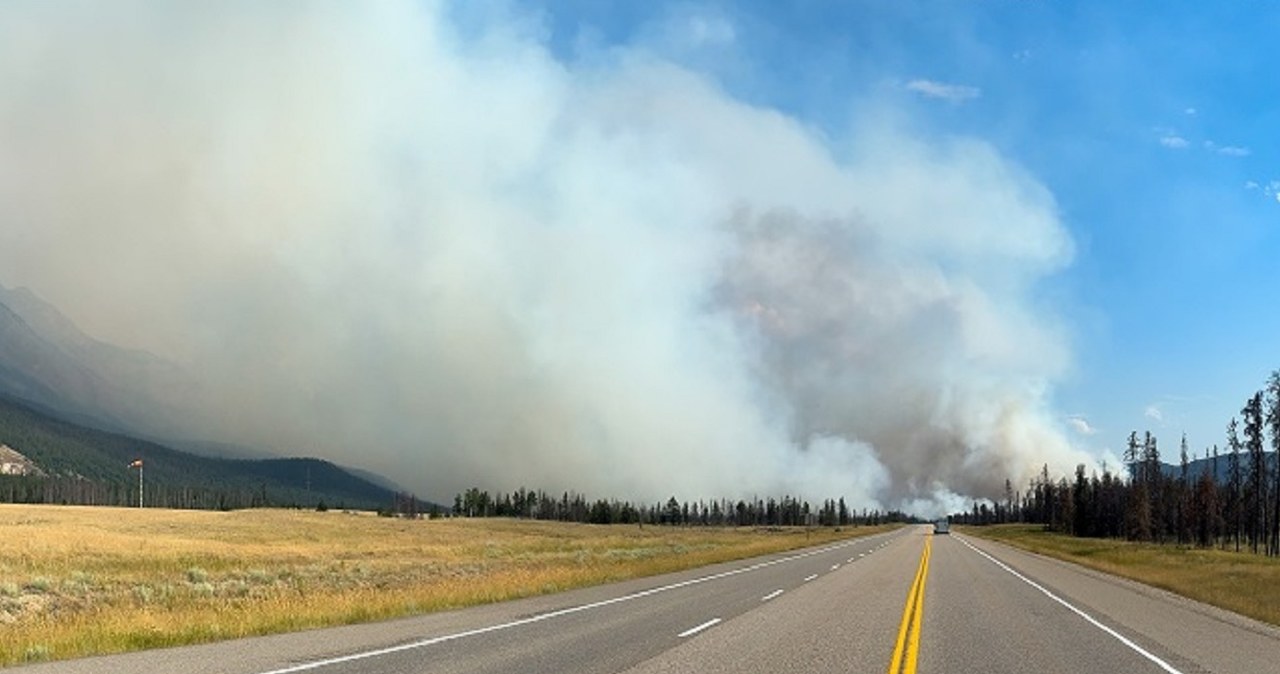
(907,647)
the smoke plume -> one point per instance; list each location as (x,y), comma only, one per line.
(454,258)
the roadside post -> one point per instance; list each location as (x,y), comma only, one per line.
(137,463)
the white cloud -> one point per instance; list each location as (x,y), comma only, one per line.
(1226,150)
(1173,141)
(1081,425)
(1154,412)
(707,30)
(1271,190)
(688,31)
(952,93)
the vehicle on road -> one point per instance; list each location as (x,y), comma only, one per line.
(942,526)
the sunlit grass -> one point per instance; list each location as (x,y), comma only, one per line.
(76,581)
(1245,583)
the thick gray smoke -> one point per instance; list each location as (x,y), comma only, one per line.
(457,260)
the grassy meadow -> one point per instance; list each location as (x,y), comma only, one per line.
(76,581)
(1245,583)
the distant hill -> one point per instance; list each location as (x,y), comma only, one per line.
(77,406)
(84,464)
(32,369)
(1201,466)
(218,450)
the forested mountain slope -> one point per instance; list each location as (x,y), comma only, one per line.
(86,465)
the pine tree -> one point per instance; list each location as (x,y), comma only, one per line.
(1272,421)
(1131,456)
(1138,517)
(1235,484)
(1184,494)
(1256,495)
(1083,518)
(1207,518)
(1153,478)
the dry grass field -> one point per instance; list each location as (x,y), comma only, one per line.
(76,581)
(1245,583)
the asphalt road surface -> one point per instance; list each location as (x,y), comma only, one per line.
(907,601)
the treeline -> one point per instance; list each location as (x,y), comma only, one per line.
(76,490)
(1232,501)
(87,466)
(574,507)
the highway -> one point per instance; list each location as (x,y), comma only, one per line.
(907,601)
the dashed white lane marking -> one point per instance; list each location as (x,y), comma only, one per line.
(378,652)
(834,567)
(694,630)
(771,595)
(1140,650)
(810,578)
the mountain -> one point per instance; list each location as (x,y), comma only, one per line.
(47,361)
(81,460)
(1198,467)
(84,406)
(221,450)
(33,369)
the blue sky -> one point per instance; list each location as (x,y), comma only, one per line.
(1153,125)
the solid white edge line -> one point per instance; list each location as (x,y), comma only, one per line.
(364,655)
(694,630)
(1119,637)
(771,595)
(811,578)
